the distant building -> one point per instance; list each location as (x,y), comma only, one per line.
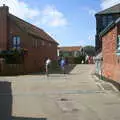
(18,34)
(69,51)
(103,19)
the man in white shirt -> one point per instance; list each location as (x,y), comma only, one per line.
(47,63)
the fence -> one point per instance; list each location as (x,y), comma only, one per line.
(10,69)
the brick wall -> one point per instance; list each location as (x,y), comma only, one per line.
(100,27)
(34,60)
(111,63)
(36,54)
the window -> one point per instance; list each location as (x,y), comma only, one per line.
(106,20)
(16,42)
(118,42)
(35,43)
(109,19)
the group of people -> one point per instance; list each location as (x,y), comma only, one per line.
(62,63)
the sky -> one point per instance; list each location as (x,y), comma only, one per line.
(69,22)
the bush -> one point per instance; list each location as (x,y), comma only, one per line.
(78,60)
(13,56)
(54,67)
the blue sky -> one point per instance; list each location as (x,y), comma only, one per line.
(69,22)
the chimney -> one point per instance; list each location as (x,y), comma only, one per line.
(3,27)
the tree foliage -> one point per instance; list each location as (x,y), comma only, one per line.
(89,50)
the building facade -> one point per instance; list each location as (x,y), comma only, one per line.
(111,51)
(103,19)
(69,51)
(17,34)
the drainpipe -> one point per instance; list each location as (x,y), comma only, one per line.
(101,62)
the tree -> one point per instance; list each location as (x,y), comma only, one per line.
(89,50)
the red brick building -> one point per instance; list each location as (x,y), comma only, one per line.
(103,19)
(19,34)
(111,51)
(70,51)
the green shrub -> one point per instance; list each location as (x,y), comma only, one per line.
(78,60)
(13,56)
(54,66)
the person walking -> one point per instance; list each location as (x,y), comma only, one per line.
(62,65)
(47,65)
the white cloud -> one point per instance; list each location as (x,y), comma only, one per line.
(108,3)
(89,10)
(20,9)
(49,16)
(52,17)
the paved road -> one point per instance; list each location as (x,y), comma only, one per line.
(75,96)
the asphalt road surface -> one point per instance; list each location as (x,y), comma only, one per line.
(78,95)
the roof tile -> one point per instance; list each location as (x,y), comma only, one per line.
(111,10)
(71,48)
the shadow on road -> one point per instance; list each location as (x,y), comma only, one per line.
(6,104)
(56,70)
(69,68)
(5,101)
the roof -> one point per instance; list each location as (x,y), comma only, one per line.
(109,27)
(111,10)
(70,48)
(31,29)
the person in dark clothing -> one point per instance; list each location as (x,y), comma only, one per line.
(62,65)
(59,60)
(66,61)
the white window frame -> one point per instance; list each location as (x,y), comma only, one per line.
(118,42)
(16,41)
